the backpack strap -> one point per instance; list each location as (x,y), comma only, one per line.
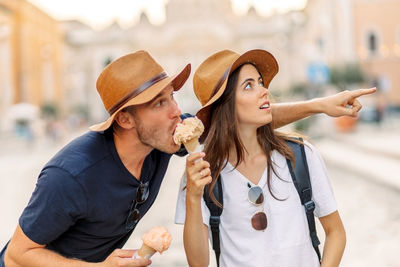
(301,179)
(215,213)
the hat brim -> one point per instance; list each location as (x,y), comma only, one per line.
(266,65)
(176,81)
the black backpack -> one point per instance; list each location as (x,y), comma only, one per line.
(301,180)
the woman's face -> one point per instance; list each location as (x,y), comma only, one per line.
(251,98)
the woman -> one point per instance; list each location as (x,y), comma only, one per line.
(242,149)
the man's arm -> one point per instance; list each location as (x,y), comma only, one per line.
(341,104)
(22,251)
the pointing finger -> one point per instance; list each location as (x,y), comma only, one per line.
(361,92)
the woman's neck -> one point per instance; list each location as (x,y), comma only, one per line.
(254,160)
(250,144)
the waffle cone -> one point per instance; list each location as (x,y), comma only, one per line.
(146,251)
(191,145)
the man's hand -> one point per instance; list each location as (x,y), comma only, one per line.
(123,257)
(344,103)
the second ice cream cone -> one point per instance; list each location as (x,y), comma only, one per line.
(146,251)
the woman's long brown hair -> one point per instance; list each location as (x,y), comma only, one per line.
(223,134)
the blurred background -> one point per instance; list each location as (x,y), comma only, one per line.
(51,53)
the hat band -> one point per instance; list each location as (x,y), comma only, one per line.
(219,83)
(137,91)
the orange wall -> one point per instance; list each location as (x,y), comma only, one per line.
(381,16)
(36,48)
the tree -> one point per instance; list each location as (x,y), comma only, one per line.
(345,75)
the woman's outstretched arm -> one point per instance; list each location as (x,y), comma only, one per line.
(341,104)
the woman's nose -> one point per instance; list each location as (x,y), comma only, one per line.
(264,91)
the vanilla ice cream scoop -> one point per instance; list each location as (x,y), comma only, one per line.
(188,133)
(156,239)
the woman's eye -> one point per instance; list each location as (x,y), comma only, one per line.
(247,86)
(261,83)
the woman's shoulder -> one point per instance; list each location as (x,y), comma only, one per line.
(311,149)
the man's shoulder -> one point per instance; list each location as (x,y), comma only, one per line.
(81,153)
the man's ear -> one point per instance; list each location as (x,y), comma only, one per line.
(125,119)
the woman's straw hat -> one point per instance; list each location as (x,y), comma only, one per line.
(210,78)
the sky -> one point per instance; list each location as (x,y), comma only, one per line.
(100,13)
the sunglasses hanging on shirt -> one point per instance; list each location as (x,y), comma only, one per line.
(256,197)
(142,193)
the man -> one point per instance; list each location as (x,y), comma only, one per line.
(90,196)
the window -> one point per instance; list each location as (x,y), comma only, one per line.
(397,44)
(372,43)
(320,43)
(398,35)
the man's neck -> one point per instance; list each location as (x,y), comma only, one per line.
(131,151)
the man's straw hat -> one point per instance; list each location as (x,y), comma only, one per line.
(131,80)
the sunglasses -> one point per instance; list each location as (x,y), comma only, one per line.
(142,193)
(256,197)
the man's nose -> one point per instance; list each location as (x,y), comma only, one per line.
(175,112)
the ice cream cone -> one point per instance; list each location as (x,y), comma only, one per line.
(191,145)
(157,239)
(188,132)
(146,251)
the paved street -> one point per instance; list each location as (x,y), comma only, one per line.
(369,209)
(371,216)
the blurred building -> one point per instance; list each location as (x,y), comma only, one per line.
(305,42)
(325,40)
(30,56)
(193,30)
(86,53)
(377,41)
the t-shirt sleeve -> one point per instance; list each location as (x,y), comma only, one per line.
(180,212)
(57,202)
(323,196)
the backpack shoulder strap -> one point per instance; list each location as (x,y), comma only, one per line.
(215,213)
(301,179)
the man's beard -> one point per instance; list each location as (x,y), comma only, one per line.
(151,137)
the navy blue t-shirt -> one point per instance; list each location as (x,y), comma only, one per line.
(83,195)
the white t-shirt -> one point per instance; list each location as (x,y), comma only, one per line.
(286,241)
